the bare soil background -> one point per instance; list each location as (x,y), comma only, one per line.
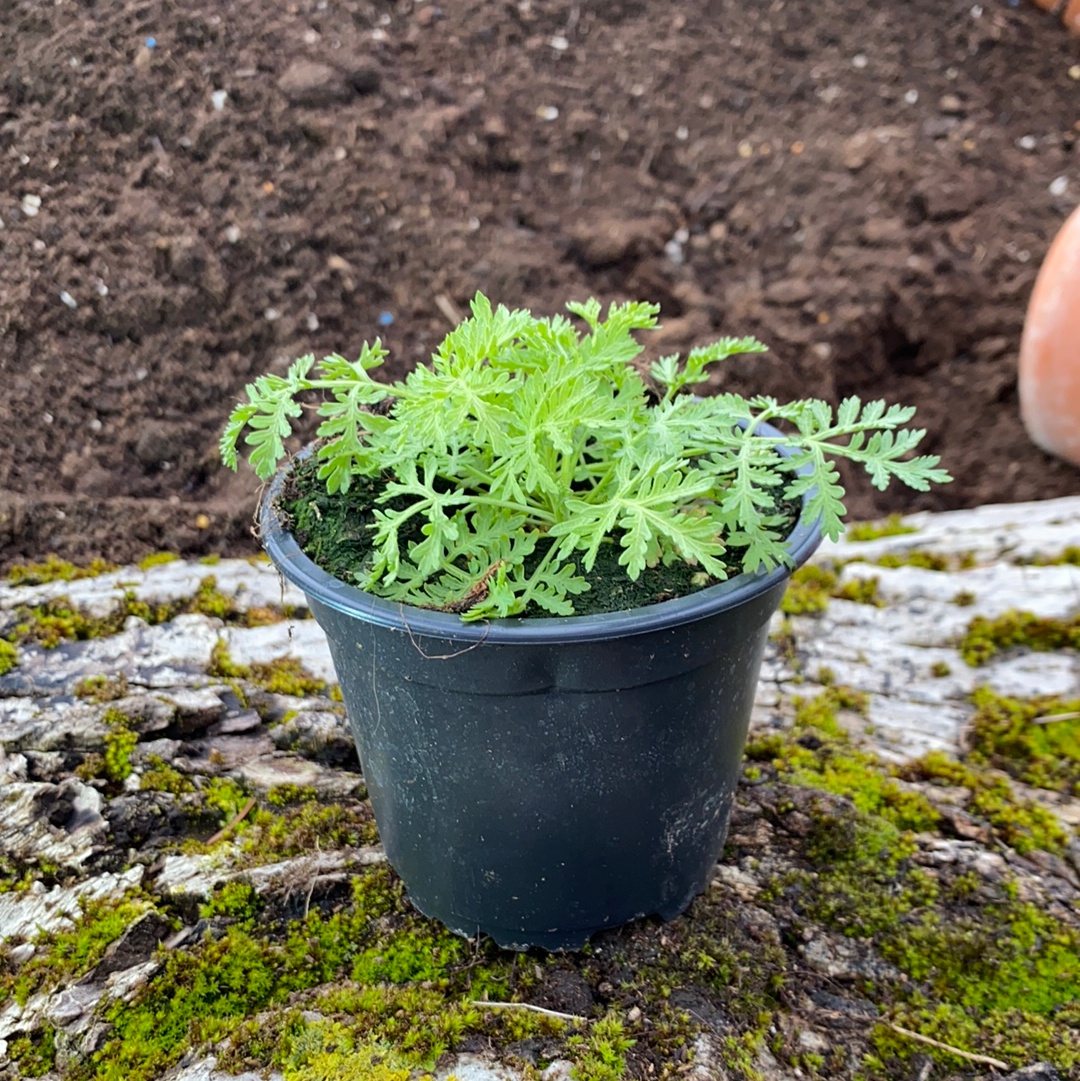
(193,194)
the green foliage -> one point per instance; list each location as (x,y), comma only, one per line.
(1035,740)
(9,657)
(893,526)
(985,637)
(523,431)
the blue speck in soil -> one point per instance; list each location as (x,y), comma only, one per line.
(385,318)
(151,43)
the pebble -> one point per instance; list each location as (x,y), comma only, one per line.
(1059,185)
(858,149)
(315,85)
(950,104)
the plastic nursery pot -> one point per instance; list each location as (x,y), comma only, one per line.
(540,780)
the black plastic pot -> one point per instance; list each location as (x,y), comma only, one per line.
(539,780)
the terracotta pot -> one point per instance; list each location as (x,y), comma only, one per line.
(1050,349)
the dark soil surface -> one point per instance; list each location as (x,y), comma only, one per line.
(869,188)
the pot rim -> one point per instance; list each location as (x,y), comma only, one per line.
(314,582)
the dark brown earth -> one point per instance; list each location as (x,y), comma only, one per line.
(867,187)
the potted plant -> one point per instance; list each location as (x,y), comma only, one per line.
(540,772)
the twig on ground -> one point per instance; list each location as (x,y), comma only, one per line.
(986,1060)
(447,309)
(221,833)
(529,1006)
(1049,718)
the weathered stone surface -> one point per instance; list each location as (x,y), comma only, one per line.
(26,913)
(249,584)
(320,735)
(193,731)
(303,640)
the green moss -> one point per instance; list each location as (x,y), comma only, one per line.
(57,620)
(64,956)
(34,1054)
(284,794)
(17,876)
(930,561)
(862,591)
(820,712)
(1068,556)
(809,590)
(235,900)
(976,967)
(1020,1037)
(119,743)
(893,526)
(210,601)
(309,826)
(285,675)
(600,1054)
(964,599)
(159,776)
(102,688)
(1023,738)
(114,765)
(421,977)
(330,1051)
(1017,822)
(157,559)
(9,657)
(985,638)
(54,569)
(227,797)
(990,975)
(939,669)
(211,560)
